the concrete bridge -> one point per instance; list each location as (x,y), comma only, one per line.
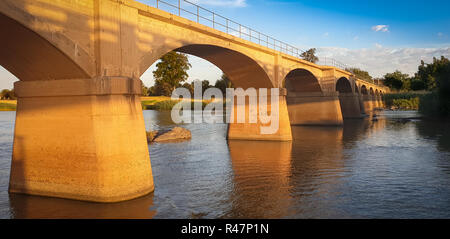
(79,129)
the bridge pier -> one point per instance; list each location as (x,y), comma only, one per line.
(368,103)
(361,104)
(314,108)
(380,102)
(375,102)
(252,131)
(81,139)
(350,105)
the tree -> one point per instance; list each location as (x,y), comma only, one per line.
(145,90)
(360,74)
(8,94)
(310,56)
(190,87)
(170,72)
(427,72)
(397,80)
(223,83)
(417,84)
(443,84)
(205,85)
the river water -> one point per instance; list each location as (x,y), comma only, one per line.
(388,168)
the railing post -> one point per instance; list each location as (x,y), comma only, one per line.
(179,7)
(214,24)
(227,24)
(198,15)
(157,3)
(240,34)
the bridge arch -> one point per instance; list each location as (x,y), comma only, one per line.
(343,85)
(241,69)
(35,53)
(301,80)
(364,90)
(371,91)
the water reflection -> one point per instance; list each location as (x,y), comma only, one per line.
(438,130)
(262,172)
(317,165)
(25,206)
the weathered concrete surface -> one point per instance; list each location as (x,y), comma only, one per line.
(350,105)
(314,108)
(368,103)
(80,139)
(361,104)
(252,131)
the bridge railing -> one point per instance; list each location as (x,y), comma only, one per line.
(196,13)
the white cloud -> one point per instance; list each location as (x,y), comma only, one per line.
(380,28)
(378,46)
(326,34)
(381,60)
(221,3)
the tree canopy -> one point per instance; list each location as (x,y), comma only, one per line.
(310,55)
(396,80)
(426,77)
(223,83)
(170,73)
(360,74)
(7,94)
(427,72)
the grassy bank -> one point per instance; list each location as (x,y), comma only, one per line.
(165,103)
(148,103)
(404,100)
(8,105)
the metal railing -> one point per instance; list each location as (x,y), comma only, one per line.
(196,13)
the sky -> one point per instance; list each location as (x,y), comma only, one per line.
(378,36)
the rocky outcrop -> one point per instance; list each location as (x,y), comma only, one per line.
(176,133)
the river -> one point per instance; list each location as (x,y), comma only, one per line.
(388,168)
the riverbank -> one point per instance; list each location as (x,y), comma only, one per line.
(428,104)
(404,100)
(8,105)
(147,102)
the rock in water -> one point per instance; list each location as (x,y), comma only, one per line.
(151,135)
(174,134)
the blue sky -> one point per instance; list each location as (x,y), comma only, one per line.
(379,36)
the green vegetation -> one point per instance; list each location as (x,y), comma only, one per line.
(429,104)
(161,105)
(170,73)
(437,104)
(7,106)
(426,77)
(360,74)
(404,101)
(223,83)
(6,94)
(310,55)
(433,79)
